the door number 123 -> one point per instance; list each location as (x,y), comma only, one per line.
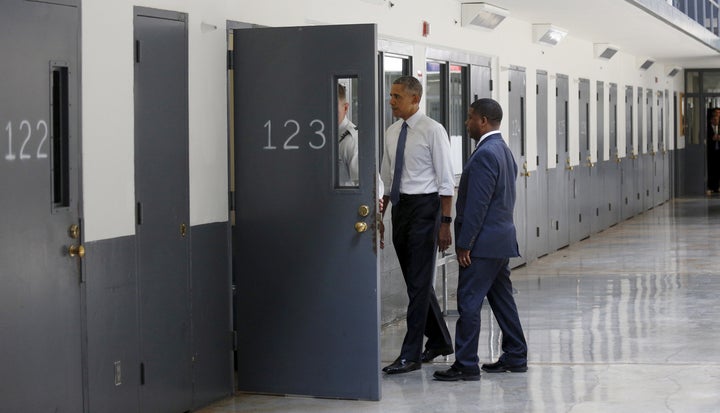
(318,140)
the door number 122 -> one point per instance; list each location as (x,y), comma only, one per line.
(27,149)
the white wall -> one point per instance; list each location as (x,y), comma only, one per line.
(107,98)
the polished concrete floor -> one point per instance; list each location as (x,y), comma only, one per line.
(627,320)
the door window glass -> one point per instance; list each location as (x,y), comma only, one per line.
(346,153)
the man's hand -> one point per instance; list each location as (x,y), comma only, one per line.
(463,257)
(444,237)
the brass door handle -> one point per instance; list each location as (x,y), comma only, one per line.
(76,251)
(525,172)
(360,227)
(363,210)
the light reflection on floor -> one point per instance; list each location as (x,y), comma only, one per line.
(625,321)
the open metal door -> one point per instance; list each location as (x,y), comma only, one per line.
(305,256)
(41,346)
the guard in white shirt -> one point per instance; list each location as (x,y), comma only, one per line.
(348,141)
(419,182)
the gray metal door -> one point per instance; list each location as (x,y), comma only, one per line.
(648,154)
(659,172)
(559,176)
(537,241)
(41,350)
(627,163)
(603,168)
(612,169)
(161,193)
(515,119)
(636,176)
(581,197)
(304,254)
(479,82)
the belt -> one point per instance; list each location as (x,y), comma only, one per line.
(416,196)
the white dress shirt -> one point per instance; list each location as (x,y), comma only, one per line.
(427,167)
(348,154)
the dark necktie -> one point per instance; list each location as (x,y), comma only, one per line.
(399,160)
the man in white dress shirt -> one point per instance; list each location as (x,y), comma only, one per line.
(420,186)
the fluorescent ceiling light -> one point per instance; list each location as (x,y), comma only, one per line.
(548,34)
(483,15)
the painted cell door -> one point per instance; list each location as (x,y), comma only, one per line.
(304,246)
(40,299)
(162,210)
(516,138)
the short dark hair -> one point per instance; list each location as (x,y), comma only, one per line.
(411,84)
(341,92)
(489,108)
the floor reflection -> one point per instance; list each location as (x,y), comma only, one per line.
(625,321)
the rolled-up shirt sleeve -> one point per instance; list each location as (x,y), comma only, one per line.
(442,162)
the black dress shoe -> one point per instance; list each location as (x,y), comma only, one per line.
(429,354)
(453,374)
(503,366)
(402,366)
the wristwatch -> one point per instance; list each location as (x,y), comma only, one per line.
(446,219)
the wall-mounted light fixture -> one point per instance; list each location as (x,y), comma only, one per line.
(548,34)
(483,15)
(605,51)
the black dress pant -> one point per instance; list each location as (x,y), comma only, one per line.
(415,221)
(713,166)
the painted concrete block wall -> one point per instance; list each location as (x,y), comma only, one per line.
(107,98)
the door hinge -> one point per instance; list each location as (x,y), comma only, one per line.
(491,85)
(142,374)
(537,89)
(233,340)
(230,60)
(231,200)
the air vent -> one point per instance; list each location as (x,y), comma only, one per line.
(646,64)
(674,71)
(605,51)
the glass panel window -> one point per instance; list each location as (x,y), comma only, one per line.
(393,68)
(711,82)
(692,131)
(434,87)
(692,82)
(458,112)
(346,153)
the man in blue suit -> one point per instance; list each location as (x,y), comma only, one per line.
(485,242)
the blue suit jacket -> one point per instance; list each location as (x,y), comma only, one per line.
(485,202)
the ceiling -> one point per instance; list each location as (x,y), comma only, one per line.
(621,23)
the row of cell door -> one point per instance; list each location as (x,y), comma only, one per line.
(94,351)
(561,202)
